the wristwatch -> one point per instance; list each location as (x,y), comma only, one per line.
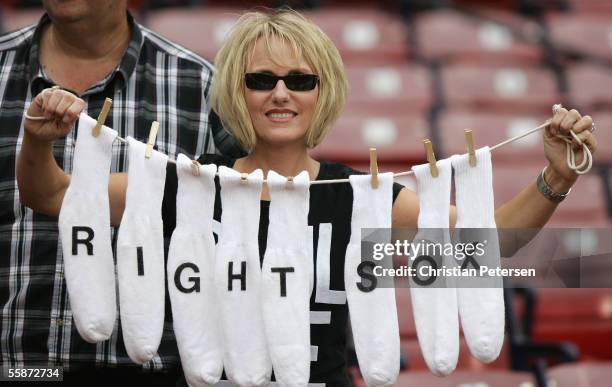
(548,192)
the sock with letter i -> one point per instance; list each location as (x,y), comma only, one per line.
(286,280)
(238,280)
(84,228)
(481,298)
(190,275)
(372,310)
(435,303)
(140,254)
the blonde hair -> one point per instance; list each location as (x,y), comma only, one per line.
(307,41)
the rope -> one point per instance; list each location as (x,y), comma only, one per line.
(582,168)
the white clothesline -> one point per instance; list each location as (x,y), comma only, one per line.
(587,159)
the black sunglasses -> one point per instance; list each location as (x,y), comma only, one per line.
(295,82)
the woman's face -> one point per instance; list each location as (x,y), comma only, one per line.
(280,116)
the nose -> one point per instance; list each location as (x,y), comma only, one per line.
(280,92)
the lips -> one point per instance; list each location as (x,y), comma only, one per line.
(280,115)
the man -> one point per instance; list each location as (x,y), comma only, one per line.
(96,50)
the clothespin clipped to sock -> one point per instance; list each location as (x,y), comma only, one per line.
(195,168)
(102,117)
(431,158)
(373,168)
(470,147)
(152,138)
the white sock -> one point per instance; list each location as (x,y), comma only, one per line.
(190,276)
(373,314)
(246,359)
(435,305)
(140,254)
(286,280)
(86,239)
(481,303)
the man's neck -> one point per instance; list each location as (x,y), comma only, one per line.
(80,54)
(86,40)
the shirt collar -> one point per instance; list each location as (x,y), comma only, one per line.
(122,73)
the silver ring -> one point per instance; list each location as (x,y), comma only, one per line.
(593,127)
(556,108)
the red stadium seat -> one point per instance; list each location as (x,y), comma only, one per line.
(14,19)
(364,35)
(201,30)
(575,211)
(595,7)
(585,85)
(526,89)
(585,34)
(491,129)
(389,89)
(397,139)
(453,36)
(582,316)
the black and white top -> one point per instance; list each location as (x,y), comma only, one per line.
(329,220)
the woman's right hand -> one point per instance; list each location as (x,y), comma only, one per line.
(60,109)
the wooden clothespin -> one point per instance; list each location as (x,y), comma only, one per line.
(152,138)
(373,168)
(470,147)
(431,158)
(243,178)
(102,117)
(195,168)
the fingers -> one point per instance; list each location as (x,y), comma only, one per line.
(564,121)
(60,105)
(585,123)
(587,138)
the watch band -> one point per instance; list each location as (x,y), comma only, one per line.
(548,192)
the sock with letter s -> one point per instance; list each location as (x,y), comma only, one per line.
(373,312)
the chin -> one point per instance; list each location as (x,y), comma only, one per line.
(69,10)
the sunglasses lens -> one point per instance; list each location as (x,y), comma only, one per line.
(295,82)
(259,81)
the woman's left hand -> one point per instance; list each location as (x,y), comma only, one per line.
(554,148)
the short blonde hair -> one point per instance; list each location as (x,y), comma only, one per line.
(307,41)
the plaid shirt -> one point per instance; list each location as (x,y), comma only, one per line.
(156,80)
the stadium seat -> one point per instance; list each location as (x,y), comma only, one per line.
(201,30)
(364,35)
(397,138)
(575,211)
(447,35)
(582,316)
(389,89)
(595,7)
(585,85)
(491,129)
(508,89)
(14,19)
(583,34)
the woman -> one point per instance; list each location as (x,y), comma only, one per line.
(280,85)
